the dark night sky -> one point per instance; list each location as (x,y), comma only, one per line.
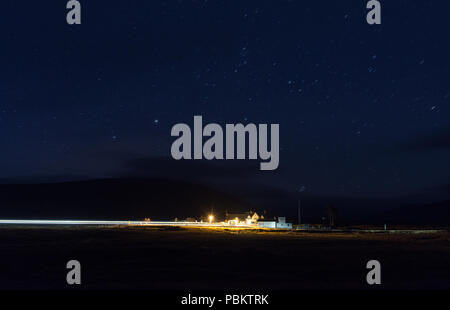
(363,110)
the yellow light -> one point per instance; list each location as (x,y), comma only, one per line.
(211,218)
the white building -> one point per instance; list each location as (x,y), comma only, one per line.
(280,224)
(267,224)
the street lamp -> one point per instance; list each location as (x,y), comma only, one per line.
(211,218)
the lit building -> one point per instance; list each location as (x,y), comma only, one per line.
(241,218)
(280,224)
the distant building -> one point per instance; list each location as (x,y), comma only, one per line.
(237,218)
(267,224)
(280,224)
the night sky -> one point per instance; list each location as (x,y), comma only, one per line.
(363,110)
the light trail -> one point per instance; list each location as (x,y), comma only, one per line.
(119,223)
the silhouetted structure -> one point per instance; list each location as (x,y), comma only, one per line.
(331,213)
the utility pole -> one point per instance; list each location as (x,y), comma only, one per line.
(299,212)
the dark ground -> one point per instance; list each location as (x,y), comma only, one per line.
(153,258)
